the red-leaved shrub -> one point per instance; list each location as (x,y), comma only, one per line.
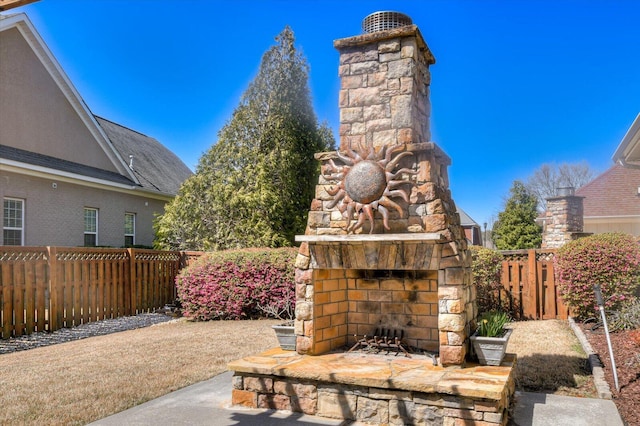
(235,284)
(611,260)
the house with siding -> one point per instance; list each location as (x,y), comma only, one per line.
(68,177)
(612,199)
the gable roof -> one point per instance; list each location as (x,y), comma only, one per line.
(27,31)
(465,219)
(628,152)
(156,168)
(613,193)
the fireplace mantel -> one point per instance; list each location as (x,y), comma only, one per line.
(409,251)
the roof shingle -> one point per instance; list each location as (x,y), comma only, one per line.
(613,193)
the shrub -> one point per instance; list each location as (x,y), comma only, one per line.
(486,268)
(611,260)
(627,317)
(234,284)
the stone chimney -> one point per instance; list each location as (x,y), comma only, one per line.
(564,219)
(384,247)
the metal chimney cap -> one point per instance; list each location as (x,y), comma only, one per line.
(384,20)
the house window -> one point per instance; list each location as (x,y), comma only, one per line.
(90,227)
(129,229)
(13,222)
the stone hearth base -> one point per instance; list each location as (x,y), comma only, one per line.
(378,389)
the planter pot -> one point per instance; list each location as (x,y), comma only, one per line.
(286,337)
(491,350)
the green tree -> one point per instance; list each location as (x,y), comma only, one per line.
(253,187)
(516,226)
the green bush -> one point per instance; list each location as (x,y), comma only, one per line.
(238,284)
(611,260)
(486,267)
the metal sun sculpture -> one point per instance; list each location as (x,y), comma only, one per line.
(367,182)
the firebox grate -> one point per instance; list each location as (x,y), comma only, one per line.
(383,340)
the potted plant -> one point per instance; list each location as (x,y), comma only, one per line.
(283,310)
(491,337)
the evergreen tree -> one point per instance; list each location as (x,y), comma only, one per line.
(516,226)
(253,188)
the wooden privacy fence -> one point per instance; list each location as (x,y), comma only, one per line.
(49,288)
(528,285)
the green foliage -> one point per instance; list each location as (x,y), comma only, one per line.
(238,284)
(611,260)
(491,324)
(486,267)
(627,317)
(516,226)
(253,188)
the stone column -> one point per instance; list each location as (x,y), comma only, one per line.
(563,220)
(384,95)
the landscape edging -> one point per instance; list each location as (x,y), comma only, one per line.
(602,387)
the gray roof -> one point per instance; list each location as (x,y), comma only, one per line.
(465,219)
(156,167)
(28,157)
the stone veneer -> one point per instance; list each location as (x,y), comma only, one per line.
(375,390)
(563,221)
(384,102)
(414,276)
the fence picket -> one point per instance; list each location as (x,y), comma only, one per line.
(48,288)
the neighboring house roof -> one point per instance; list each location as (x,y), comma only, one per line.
(47,162)
(613,193)
(154,170)
(156,167)
(465,219)
(628,152)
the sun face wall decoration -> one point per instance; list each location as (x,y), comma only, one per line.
(366,183)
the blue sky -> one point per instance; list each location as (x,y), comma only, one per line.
(516,83)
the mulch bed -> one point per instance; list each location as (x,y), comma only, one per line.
(626,353)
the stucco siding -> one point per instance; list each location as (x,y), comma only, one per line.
(54,216)
(52,127)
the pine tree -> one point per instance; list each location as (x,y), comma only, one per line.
(253,188)
(516,226)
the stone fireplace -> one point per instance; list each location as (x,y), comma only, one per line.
(383,250)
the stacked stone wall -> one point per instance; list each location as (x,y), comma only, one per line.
(367,404)
(564,221)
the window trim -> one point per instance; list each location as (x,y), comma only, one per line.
(132,235)
(84,217)
(12,228)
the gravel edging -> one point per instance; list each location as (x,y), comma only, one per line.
(90,329)
(602,387)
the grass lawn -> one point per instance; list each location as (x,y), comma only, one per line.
(85,380)
(550,359)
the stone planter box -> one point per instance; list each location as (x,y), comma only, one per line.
(491,350)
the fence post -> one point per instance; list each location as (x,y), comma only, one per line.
(55,313)
(130,287)
(534,291)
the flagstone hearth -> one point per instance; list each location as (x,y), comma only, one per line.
(382,389)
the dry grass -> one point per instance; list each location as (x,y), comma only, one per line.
(82,381)
(550,359)
(85,380)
